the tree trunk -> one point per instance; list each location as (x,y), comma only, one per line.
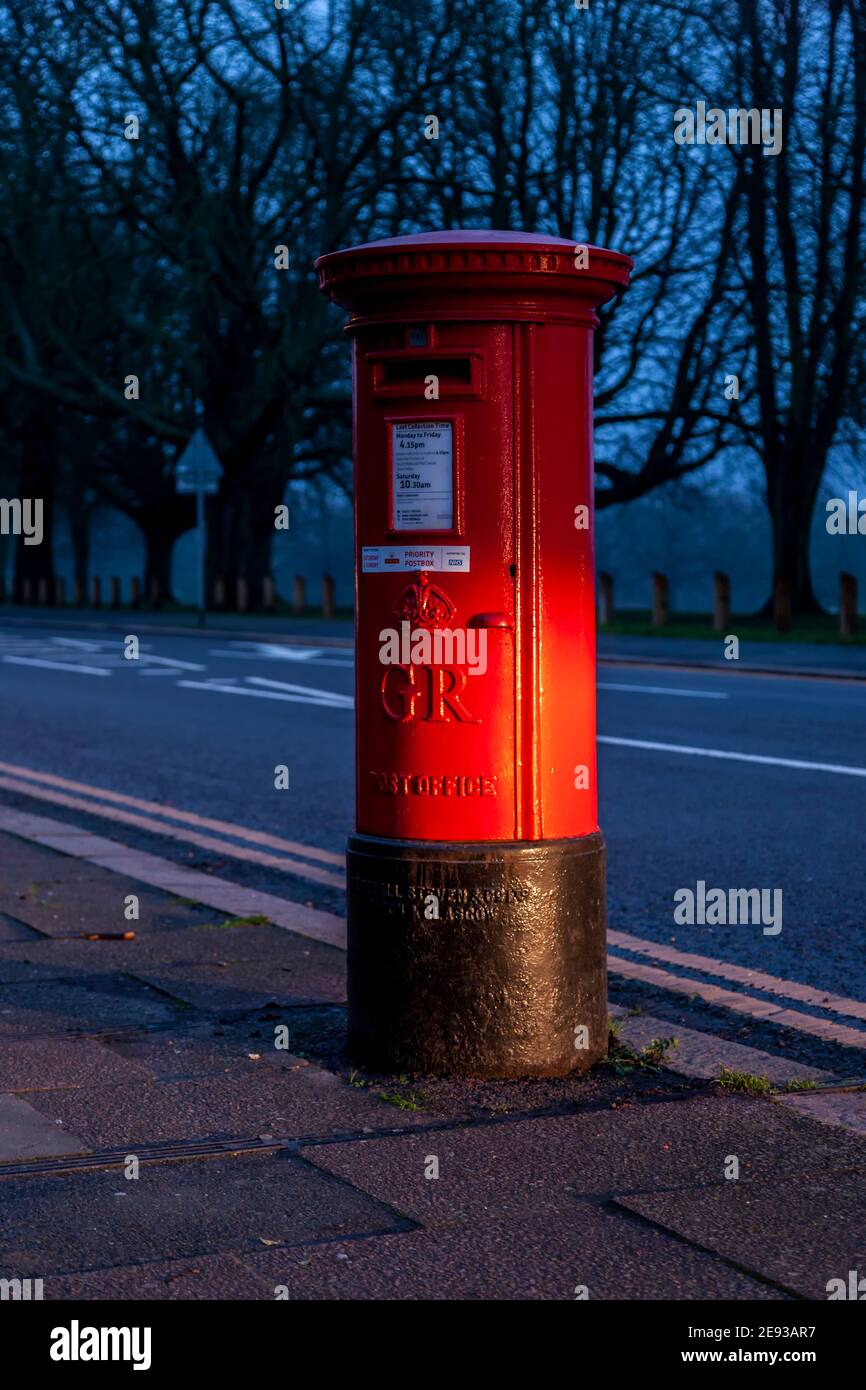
(259,536)
(78,515)
(791,504)
(38,467)
(159,540)
(240,536)
(221,561)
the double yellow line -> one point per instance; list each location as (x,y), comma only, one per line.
(186,826)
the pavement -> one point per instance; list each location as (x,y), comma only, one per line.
(178,1119)
(827,660)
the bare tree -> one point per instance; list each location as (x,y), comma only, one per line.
(801,246)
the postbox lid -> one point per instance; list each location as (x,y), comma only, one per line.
(470,262)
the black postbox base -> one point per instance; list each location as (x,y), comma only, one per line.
(477,960)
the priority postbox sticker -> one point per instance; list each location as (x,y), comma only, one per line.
(380,559)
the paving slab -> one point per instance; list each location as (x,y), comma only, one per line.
(57,906)
(551,1255)
(14,972)
(312,969)
(237,987)
(67,907)
(210,1046)
(179,1056)
(51,1006)
(38,1064)
(846,1108)
(296,1100)
(25,1133)
(647,1147)
(12,929)
(131,869)
(57,895)
(63,1224)
(798,1232)
(220,1276)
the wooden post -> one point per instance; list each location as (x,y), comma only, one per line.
(721,602)
(269,593)
(328,596)
(26,591)
(299,595)
(42,591)
(96,591)
(782,604)
(605,590)
(241,594)
(660,599)
(60,592)
(219,592)
(115,592)
(135,595)
(76,583)
(155,597)
(847,604)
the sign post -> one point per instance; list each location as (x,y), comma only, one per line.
(199,471)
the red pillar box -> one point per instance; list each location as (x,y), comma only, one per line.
(476,873)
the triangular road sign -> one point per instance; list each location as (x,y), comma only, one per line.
(198,468)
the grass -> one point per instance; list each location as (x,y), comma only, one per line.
(410,1101)
(747,1084)
(822,627)
(744,1082)
(623,1060)
(256,920)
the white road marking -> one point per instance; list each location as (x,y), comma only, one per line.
(145,657)
(216,689)
(664,690)
(270,652)
(842,769)
(306,656)
(343,700)
(56,665)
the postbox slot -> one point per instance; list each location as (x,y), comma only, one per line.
(409,373)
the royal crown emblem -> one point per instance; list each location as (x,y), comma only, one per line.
(423,605)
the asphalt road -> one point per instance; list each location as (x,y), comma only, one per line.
(201,722)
